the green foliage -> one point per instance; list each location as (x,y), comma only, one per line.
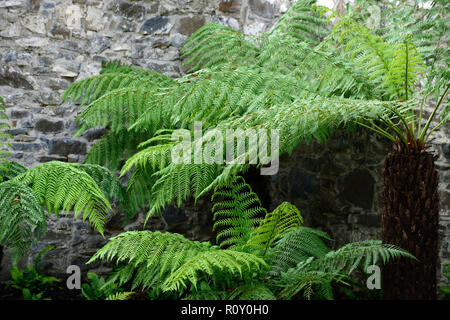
(316,274)
(273,257)
(297,245)
(170,261)
(267,82)
(237,214)
(10,169)
(59,187)
(301,79)
(22,219)
(98,289)
(445,289)
(3,138)
(120,296)
(275,224)
(29,281)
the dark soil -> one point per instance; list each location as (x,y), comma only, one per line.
(56,291)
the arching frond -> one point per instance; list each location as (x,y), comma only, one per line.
(22,219)
(215,45)
(170,261)
(275,224)
(61,186)
(295,246)
(108,183)
(114,147)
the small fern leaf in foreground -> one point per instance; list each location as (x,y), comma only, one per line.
(120,296)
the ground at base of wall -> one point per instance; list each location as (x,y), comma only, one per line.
(57,291)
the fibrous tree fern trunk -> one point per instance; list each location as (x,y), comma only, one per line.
(410,220)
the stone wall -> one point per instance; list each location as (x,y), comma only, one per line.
(46,45)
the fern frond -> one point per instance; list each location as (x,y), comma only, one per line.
(177,182)
(120,108)
(10,169)
(295,246)
(120,296)
(302,23)
(170,261)
(22,219)
(275,224)
(210,262)
(309,282)
(91,89)
(114,147)
(61,186)
(215,45)
(236,214)
(347,258)
(108,183)
(404,70)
